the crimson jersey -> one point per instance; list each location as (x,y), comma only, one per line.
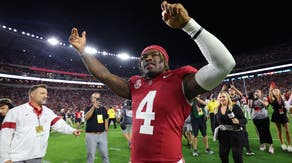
(78,114)
(159,111)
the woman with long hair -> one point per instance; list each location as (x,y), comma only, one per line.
(279,116)
(229,123)
(261,120)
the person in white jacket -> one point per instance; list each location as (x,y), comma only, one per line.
(26,129)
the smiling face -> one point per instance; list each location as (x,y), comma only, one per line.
(152,63)
(224,98)
(276,92)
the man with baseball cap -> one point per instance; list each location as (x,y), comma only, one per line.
(161,97)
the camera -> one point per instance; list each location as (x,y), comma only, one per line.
(128,104)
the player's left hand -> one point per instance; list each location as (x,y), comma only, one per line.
(174,15)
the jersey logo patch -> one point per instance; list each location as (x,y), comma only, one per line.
(137,84)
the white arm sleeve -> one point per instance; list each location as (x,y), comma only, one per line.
(220,61)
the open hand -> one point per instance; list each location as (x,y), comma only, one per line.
(76,41)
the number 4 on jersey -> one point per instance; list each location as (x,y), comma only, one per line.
(147,115)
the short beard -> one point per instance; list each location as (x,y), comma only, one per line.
(150,75)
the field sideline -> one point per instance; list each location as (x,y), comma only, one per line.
(70,149)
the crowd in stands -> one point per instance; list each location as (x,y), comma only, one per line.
(20,62)
(61,96)
(265,57)
(248,85)
(76,96)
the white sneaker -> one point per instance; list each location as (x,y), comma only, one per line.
(263,147)
(195,154)
(289,148)
(271,149)
(284,147)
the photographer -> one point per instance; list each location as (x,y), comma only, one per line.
(126,122)
(96,129)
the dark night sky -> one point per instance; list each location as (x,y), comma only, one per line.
(129,26)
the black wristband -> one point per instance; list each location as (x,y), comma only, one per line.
(198,33)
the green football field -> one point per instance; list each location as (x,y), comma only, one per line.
(70,149)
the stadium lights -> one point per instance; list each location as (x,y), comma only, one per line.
(123,56)
(90,50)
(104,53)
(53,41)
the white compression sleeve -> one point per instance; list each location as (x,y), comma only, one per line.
(220,61)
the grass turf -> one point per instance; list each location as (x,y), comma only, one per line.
(69,149)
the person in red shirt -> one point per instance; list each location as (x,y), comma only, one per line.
(78,115)
(161,97)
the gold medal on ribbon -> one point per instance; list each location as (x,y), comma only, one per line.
(39,129)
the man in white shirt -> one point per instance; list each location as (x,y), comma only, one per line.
(26,128)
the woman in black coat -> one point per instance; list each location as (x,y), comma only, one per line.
(229,123)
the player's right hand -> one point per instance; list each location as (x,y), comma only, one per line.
(174,15)
(76,41)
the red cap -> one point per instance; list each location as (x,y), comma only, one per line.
(158,48)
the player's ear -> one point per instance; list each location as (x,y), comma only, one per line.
(140,68)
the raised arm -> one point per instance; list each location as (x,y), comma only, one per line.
(89,113)
(220,61)
(201,101)
(117,84)
(238,92)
